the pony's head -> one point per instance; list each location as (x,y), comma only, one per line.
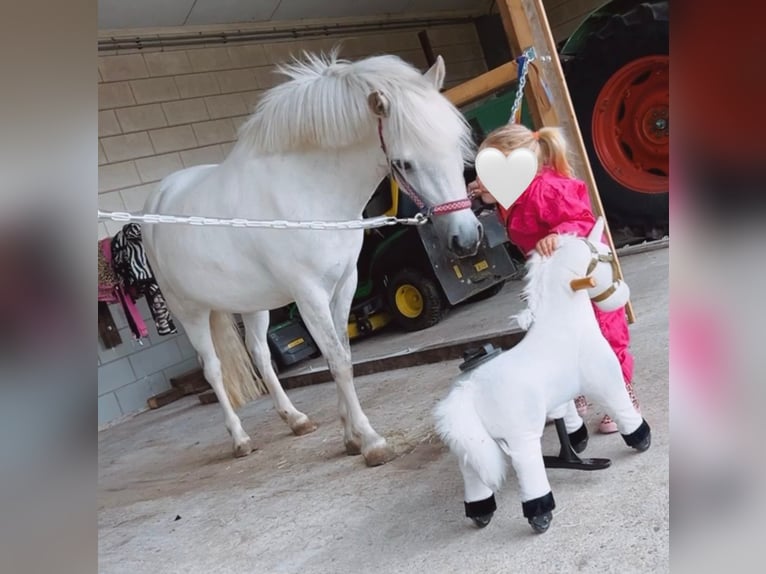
(428,142)
(330,103)
(594,269)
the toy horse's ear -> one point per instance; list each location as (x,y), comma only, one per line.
(379,104)
(436,73)
(598,230)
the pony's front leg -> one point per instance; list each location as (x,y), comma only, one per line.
(537,501)
(340,307)
(256,328)
(198,330)
(316,314)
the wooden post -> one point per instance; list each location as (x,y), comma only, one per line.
(428,50)
(526,25)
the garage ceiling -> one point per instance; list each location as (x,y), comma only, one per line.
(121,14)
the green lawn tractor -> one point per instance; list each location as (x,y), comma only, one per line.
(406,276)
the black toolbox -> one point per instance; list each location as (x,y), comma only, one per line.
(290,343)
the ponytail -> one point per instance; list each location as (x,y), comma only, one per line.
(554,150)
(548,143)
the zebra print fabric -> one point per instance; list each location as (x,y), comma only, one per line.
(131,265)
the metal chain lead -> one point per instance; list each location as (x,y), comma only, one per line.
(370,223)
(529,56)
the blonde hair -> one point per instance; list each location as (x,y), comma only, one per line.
(548,143)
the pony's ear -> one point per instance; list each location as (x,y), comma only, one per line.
(436,73)
(598,230)
(379,104)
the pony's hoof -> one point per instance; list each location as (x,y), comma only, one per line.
(541,522)
(378,455)
(483,520)
(353,448)
(243,449)
(305,427)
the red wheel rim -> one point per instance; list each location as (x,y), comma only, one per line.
(631,125)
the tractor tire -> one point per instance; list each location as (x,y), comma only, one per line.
(414,299)
(619,84)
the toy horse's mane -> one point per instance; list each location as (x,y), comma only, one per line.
(536,278)
(323,104)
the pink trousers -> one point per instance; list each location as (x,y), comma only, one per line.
(614,326)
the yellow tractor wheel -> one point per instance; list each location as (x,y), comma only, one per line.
(415,300)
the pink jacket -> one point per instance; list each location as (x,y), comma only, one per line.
(557,204)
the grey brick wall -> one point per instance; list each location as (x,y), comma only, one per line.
(130,373)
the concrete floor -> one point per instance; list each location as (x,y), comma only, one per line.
(172,499)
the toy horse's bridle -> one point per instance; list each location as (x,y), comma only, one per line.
(595,259)
(396,172)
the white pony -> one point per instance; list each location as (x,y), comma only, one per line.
(315,149)
(502,404)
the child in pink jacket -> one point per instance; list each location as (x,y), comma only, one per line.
(553,204)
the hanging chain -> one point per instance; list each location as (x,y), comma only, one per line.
(370,223)
(526,58)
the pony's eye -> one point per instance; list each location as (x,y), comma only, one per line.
(403,164)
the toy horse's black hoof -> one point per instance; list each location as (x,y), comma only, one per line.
(538,512)
(541,522)
(483,520)
(641,438)
(481,511)
(644,444)
(579,439)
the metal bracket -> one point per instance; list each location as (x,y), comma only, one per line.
(472,358)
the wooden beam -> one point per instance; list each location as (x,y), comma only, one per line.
(164,398)
(520,38)
(428,51)
(484,85)
(526,25)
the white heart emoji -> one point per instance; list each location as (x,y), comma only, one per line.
(506,177)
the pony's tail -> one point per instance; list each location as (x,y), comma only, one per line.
(459,426)
(240,380)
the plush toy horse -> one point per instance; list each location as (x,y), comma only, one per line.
(501,405)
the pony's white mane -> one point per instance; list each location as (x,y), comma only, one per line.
(324,105)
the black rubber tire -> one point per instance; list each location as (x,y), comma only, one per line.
(433,303)
(641,31)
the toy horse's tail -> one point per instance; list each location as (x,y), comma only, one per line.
(461,428)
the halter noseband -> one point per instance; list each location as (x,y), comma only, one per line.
(595,259)
(404,185)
